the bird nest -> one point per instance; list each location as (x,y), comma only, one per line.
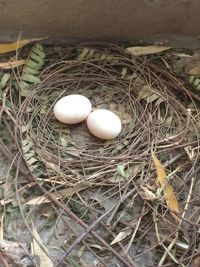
(119,174)
(144,96)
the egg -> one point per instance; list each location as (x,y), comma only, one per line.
(72,109)
(104,124)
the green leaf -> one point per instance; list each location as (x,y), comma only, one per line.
(30,78)
(28,70)
(31,161)
(198,87)
(36,171)
(33,64)
(27,147)
(51,220)
(29,155)
(121,170)
(63,141)
(191,78)
(39,47)
(14,212)
(196,82)
(37,58)
(1,192)
(23,88)
(39,52)
(4,80)
(31,70)
(83,53)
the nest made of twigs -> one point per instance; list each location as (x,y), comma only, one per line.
(141,94)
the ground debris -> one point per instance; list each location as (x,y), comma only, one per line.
(17,253)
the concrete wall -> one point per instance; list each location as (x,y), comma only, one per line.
(102,20)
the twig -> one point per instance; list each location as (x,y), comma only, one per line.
(187,178)
(160,242)
(184,260)
(85,233)
(134,233)
(176,236)
(168,249)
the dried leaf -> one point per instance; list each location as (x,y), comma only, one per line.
(147,194)
(5,48)
(38,248)
(147,50)
(194,71)
(122,235)
(182,55)
(150,95)
(170,197)
(124,72)
(99,247)
(12,64)
(59,194)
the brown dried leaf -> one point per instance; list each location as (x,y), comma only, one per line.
(170,197)
(5,48)
(67,192)
(147,50)
(194,71)
(150,95)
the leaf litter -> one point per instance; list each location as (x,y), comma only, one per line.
(38,249)
(91,175)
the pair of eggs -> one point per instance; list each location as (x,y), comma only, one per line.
(76,108)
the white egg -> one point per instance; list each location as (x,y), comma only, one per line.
(72,109)
(104,124)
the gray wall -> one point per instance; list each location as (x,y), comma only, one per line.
(99,20)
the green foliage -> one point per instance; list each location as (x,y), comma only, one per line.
(32,70)
(195,81)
